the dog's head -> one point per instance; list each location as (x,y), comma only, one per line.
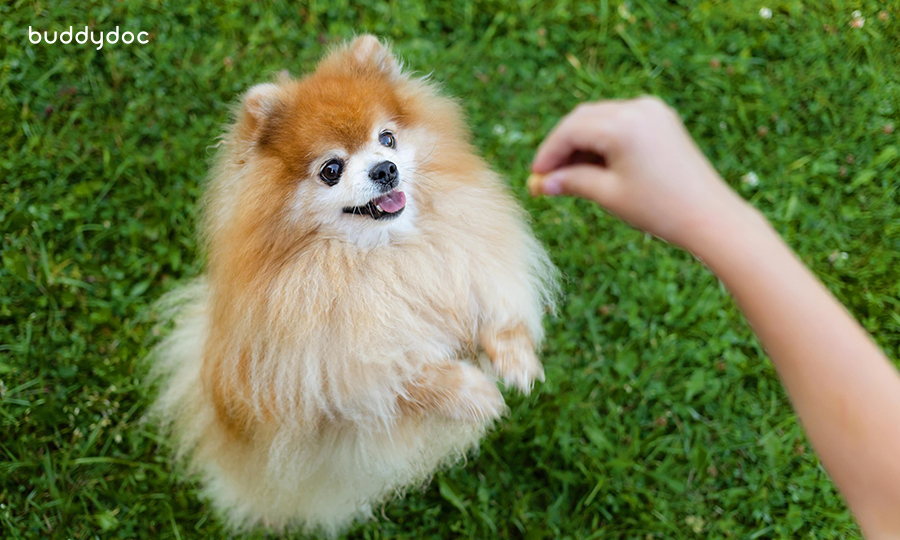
(342,151)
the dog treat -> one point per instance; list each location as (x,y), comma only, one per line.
(534,183)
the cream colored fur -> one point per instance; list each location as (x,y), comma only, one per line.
(335,341)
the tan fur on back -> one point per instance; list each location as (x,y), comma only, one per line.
(308,378)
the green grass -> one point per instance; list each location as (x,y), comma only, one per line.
(661,416)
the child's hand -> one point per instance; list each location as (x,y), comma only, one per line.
(636,159)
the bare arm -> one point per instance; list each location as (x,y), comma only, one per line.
(844,389)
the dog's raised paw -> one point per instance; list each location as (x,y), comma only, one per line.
(513,359)
(477,398)
(456,390)
(520,369)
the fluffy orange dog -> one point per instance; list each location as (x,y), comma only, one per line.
(367,276)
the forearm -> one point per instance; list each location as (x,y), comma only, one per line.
(653,176)
(844,389)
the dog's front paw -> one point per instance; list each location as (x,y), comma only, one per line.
(455,390)
(513,358)
(519,368)
(476,399)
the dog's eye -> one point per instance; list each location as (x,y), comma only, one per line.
(387,139)
(331,172)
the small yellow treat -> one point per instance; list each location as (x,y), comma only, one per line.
(534,183)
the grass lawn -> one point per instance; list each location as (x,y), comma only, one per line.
(661,416)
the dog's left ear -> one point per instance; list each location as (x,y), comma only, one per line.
(370,52)
(367,54)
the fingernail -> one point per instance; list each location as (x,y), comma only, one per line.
(553,185)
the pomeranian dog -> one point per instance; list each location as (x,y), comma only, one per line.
(368,280)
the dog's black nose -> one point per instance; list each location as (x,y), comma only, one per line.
(385,175)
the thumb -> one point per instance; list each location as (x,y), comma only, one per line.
(589,181)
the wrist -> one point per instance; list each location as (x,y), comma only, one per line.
(730,229)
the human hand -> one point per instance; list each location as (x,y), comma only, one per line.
(636,159)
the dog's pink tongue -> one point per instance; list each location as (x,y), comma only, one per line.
(392,202)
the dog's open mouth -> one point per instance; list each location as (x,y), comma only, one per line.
(387,206)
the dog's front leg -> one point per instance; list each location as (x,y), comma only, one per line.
(455,390)
(512,355)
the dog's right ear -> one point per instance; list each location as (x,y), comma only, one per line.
(260,104)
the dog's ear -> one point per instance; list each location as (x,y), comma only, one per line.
(283,76)
(260,104)
(365,54)
(369,52)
